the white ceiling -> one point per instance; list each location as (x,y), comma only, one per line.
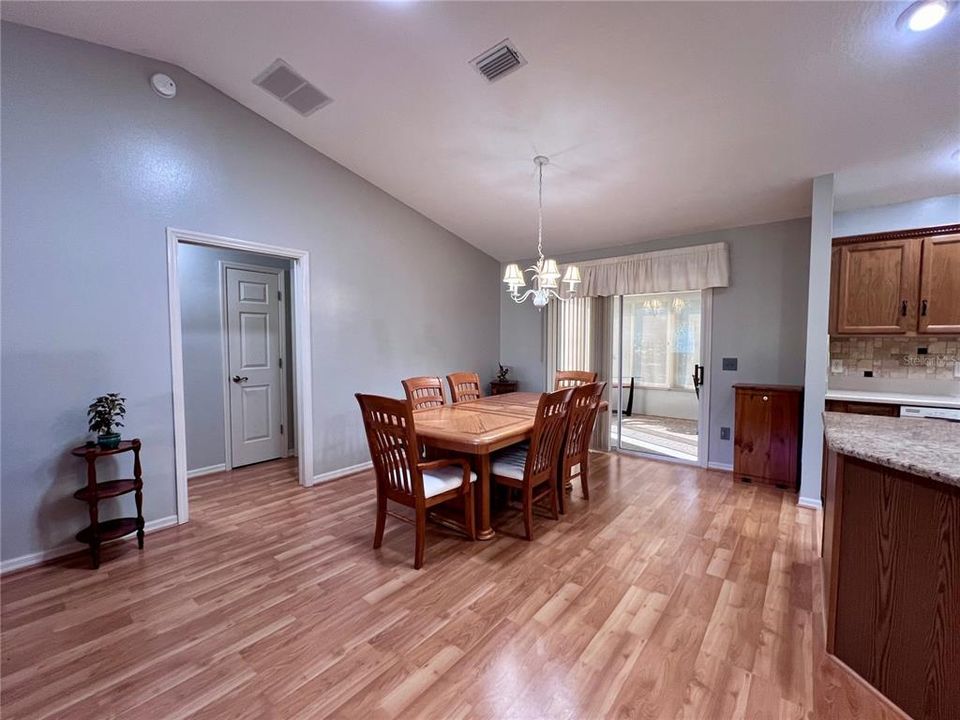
(660,118)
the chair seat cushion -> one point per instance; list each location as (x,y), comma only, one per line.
(510,462)
(440,480)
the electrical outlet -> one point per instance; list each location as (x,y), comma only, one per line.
(729,363)
(836,366)
(725,431)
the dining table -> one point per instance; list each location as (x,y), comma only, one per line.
(478,429)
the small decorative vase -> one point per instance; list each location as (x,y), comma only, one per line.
(110,441)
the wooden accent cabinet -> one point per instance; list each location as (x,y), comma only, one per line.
(766,436)
(899,283)
(502,388)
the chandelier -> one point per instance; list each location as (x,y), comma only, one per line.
(545,275)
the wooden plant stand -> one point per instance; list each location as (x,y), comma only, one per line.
(100,531)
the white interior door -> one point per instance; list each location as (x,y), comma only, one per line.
(253,362)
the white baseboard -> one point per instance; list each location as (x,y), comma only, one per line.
(342,472)
(208,470)
(37,558)
(812,503)
(720,466)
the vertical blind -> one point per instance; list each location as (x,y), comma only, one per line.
(579,337)
(574,334)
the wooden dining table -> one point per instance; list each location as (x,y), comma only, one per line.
(479,428)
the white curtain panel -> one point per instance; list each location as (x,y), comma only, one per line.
(690,268)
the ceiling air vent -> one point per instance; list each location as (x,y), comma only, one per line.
(281,81)
(502,59)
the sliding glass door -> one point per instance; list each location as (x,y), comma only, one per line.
(658,375)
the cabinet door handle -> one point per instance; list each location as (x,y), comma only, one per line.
(903,308)
(765,398)
(923,307)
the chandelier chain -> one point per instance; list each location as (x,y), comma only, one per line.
(540,212)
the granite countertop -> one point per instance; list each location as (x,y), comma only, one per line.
(928,448)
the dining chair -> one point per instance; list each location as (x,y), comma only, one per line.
(575,458)
(464,386)
(403,478)
(424,392)
(527,469)
(572,378)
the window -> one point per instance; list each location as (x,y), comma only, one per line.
(661,339)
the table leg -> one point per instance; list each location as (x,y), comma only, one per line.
(484,531)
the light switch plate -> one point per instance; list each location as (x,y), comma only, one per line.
(724,433)
(836,366)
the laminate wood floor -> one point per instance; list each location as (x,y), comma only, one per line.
(673,593)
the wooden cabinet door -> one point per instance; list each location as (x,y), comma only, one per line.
(877,287)
(940,285)
(752,432)
(767,432)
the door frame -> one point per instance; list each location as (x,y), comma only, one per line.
(225,265)
(303,387)
(703,404)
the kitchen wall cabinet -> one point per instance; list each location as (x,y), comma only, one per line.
(903,283)
(940,285)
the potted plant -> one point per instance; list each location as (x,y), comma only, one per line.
(502,374)
(105,414)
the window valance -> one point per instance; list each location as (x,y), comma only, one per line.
(689,268)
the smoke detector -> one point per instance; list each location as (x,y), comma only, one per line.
(163,85)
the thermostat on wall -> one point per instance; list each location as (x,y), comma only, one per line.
(163,85)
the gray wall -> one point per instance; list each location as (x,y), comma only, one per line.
(95,167)
(203,380)
(927,212)
(760,318)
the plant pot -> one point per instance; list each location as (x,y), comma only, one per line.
(110,441)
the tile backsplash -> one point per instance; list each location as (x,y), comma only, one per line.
(895,357)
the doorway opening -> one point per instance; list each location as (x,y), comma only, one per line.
(659,402)
(239,327)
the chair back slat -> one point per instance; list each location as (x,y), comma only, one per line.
(424,392)
(548,432)
(573,378)
(464,386)
(584,405)
(393,443)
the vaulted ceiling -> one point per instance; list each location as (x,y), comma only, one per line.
(660,118)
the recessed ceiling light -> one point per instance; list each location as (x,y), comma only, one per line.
(923,15)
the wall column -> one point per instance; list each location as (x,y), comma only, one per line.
(818,340)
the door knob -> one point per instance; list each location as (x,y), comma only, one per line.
(238,379)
